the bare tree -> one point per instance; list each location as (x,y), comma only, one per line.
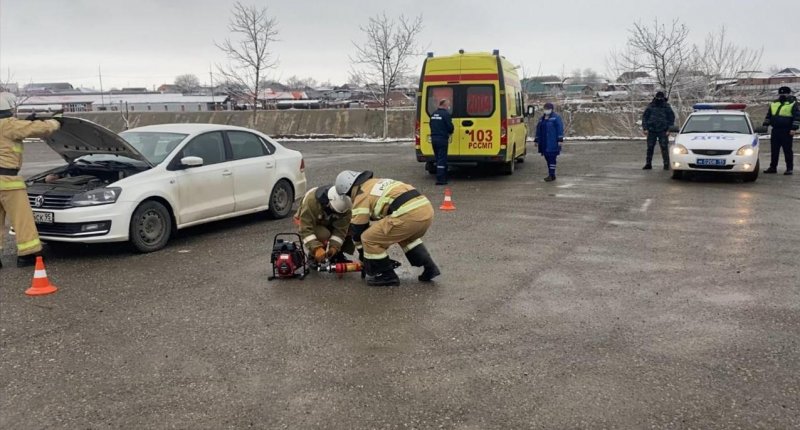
(662,50)
(624,111)
(250,54)
(297,83)
(721,60)
(382,60)
(187,83)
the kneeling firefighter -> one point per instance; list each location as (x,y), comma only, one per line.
(402,215)
(324,216)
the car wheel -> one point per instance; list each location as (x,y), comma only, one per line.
(752,176)
(151,227)
(281,200)
(430,167)
(509,167)
(677,174)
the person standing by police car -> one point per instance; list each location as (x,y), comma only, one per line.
(441,130)
(783,115)
(13,196)
(324,217)
(658,117)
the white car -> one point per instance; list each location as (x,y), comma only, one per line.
(716,137)
(142,184)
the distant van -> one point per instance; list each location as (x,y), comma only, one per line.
(487,107)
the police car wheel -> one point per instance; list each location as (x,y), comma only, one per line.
(280,200)
(151,227)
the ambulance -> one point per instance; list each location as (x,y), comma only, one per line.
(488,111)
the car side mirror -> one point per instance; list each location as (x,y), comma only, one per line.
(530,111)
(761,130)
(674,129)
(191,161)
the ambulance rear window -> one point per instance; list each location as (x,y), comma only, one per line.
(468,101)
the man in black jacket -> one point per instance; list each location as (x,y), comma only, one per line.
(784,116)
(441,129)
(656,121)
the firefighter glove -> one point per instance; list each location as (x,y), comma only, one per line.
(332,250)
(319,254)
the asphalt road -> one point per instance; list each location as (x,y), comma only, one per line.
(612,298)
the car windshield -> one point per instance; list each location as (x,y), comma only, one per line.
(155,146)
(717,124)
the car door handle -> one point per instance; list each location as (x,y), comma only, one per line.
(227,173)
(467,123)
(270,164)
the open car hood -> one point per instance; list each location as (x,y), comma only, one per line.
(78,137)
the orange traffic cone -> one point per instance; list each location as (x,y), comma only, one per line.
(40,285)
(447,205)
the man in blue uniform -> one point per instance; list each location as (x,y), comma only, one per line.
(441,129)
(549,137)
(784,117)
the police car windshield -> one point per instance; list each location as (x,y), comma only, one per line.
(155,146)
(736,124)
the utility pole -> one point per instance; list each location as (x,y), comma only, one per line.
(100,75)
(211,78)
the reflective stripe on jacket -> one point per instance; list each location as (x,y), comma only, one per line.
(12,132)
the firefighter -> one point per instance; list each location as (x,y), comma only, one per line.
(402,215)
(784,117)
(324,217)
(13,196)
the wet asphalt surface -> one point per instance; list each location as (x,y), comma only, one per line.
(612,298)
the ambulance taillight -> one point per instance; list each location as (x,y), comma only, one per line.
(504,134)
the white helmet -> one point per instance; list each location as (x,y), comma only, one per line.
(349,178)
(338,202)
(8,101)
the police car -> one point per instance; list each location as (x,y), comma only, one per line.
(716,137)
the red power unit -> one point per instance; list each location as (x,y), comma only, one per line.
(288,257)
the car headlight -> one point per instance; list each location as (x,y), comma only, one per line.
(98,196)
(745,151)
(679,149)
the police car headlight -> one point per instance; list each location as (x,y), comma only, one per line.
(745,151)
(679,149)
(98,196)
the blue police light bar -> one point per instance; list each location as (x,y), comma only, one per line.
(719,106)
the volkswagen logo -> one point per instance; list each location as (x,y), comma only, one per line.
(38,201)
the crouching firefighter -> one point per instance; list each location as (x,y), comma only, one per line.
(324,217)
(13,197)
(402,215)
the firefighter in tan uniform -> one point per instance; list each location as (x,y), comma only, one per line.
(401,215)
(13,197)
(324,216)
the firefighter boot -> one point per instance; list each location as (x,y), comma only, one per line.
(26,260)
(420,257)
(381,274)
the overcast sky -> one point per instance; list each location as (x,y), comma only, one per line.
(149,42)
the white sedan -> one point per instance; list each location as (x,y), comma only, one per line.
(144,183)
(717,137)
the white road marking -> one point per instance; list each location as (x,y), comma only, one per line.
(646,205)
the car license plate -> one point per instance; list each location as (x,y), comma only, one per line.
(43,217)
(710,162)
